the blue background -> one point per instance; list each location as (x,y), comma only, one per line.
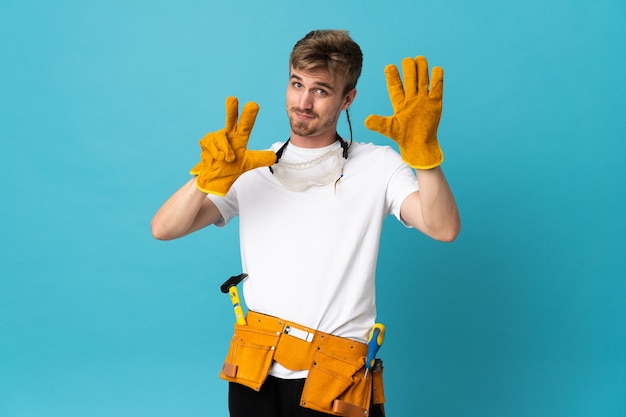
(101,107)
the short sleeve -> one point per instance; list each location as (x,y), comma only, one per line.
(402,183)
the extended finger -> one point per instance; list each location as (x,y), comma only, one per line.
(409,70)
(232,113)
(380,124)
(422,76)
(248,116)
(256,159)
(436,83)
(394,85)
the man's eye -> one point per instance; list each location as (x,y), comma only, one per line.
(297,85)
(321,92)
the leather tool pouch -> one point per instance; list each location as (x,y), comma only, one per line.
(250,356)
(335,383)
(378,393)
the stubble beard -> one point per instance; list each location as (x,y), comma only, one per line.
(308,128)
(302,128)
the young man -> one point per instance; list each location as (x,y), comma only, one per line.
(311,211)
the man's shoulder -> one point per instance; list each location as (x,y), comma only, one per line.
(362,149)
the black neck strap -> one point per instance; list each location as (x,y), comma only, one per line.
(344,146)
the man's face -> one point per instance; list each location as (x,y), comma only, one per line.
(315,101)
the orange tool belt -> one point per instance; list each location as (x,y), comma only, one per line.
(336,382)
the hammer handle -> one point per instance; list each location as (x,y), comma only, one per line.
(234,298)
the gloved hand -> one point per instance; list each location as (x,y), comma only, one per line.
(416,112)
(225,155)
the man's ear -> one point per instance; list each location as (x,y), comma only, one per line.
(349,98)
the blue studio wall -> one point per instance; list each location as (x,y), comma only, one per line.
(101,107)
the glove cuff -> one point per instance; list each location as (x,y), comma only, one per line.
(196,169)
(218,186)
(206,183)
(427,156)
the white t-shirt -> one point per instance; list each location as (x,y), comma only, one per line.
(311,255)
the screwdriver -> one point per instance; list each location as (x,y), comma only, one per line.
(375,340)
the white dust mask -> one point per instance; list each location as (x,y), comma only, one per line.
(320,171)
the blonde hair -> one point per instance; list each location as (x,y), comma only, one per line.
(329,50)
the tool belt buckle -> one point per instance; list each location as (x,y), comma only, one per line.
(299,333)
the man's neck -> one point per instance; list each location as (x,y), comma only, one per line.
(313,141)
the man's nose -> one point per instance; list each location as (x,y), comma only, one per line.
(305,102)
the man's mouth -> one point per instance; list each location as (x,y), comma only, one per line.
(303,114)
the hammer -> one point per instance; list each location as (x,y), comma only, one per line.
(230,286)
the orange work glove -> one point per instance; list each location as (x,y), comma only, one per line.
(416,112)
(225,155)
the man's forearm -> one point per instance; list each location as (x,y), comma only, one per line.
(439,209)
(185,211)
(432,209)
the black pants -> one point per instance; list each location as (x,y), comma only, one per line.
(277,398)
